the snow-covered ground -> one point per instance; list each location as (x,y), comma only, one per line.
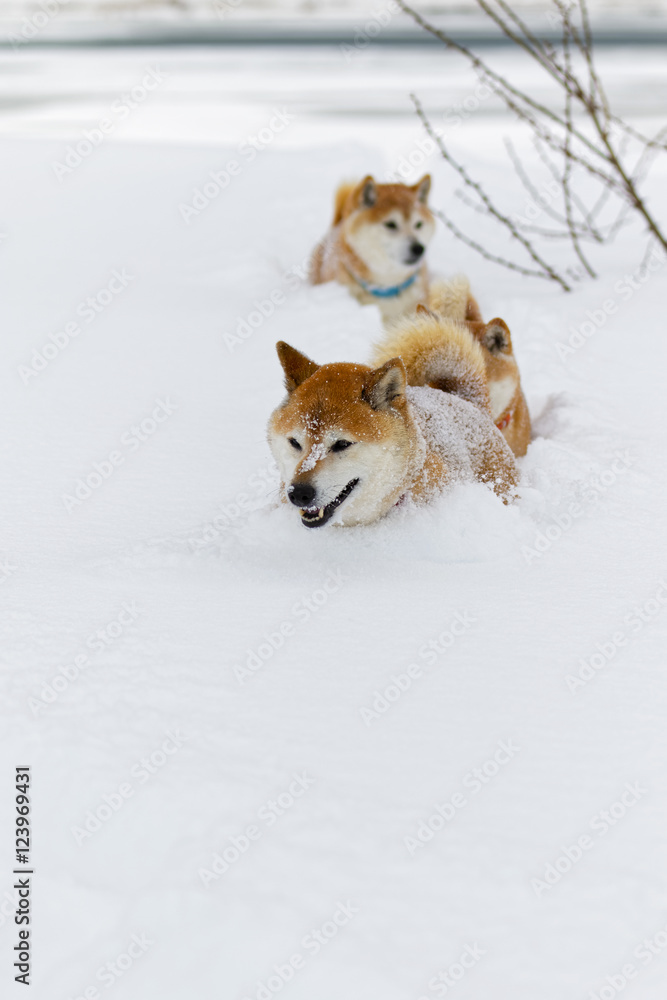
(415,760)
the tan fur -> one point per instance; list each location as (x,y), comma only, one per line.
(441,353)
(370,408)
(334,259)
(437,352)
(341,197)
(334,394)
(509,410)
(453,298)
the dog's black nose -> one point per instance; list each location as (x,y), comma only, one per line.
(301,494)
(416,250)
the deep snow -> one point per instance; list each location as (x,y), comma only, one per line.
(176,578)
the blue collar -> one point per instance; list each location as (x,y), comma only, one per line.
(385,293)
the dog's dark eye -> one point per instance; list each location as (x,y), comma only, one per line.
(390,225)
(418,225)
(295,444)
(341,445)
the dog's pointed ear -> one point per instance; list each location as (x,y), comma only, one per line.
(423,310)
(367,192)
(383,386)
(422,188)
(297,366)
(496,337)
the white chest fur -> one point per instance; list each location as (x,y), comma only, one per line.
(501,394)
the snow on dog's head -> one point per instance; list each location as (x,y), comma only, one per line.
(388,226)
(343,439)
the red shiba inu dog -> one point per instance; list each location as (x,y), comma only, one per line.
(352,441)
(509,409)
(377,244)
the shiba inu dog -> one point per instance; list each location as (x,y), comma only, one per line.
(509,409)
(352,441)
(377,244)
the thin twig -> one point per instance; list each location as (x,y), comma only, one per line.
(567,160)
(477,188)
(530,187)
(650,249)
(504,88)
(483,252)
(551,167)
(602,153)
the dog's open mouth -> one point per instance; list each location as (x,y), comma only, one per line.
(315,517)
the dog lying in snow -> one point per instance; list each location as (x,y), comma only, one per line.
(377,244)
(509,409)
(352,441)
(376,247)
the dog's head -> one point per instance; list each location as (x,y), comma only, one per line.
(388,226)
(343,439)
(501,367)
(494,336)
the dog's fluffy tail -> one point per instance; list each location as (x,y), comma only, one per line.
(439,352)
(453,298)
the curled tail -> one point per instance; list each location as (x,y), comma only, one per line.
(453,298)
(439,352)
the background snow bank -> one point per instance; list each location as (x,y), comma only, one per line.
(177,576)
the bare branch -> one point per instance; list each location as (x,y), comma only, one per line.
(484,198)
(483,252)
(567,168)
(584,136)
(504,89)
(650,248)
(530,186)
